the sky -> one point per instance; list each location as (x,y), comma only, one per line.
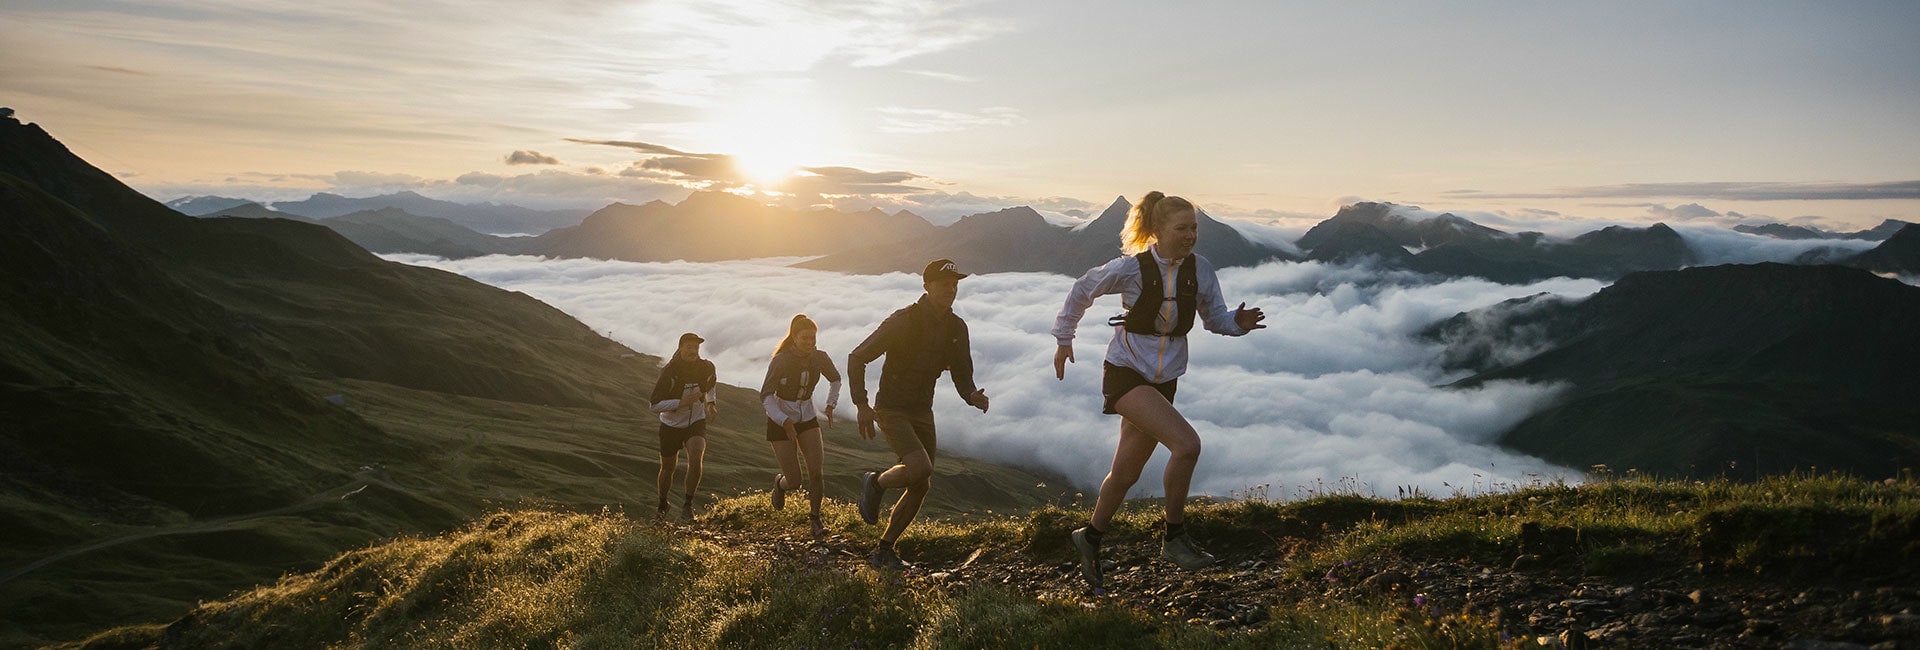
(1336,391)
(1627,111)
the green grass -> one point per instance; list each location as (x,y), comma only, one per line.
(541,578)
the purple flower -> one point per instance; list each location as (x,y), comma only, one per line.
(1419,601)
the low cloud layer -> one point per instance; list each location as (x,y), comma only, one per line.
(1335,389)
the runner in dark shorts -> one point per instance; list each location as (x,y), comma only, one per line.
(792,427)
(921,342)
(1163,286)
(684,398)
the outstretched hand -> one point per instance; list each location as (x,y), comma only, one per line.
(1061,357)
(1247,319)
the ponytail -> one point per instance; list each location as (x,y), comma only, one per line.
(800,323)
(1143,221)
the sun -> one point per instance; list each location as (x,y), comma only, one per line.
(771,131)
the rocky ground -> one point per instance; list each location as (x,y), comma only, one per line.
(1534,600)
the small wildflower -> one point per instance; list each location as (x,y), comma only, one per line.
(1419,601)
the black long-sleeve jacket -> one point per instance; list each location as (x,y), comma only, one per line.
(920,341)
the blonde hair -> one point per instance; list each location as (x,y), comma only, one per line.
(1144,220)
(800,323)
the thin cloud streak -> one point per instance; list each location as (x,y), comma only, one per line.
(1336,388)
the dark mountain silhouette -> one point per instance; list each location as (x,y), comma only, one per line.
(1900,253)
(1886,229)
(487,218)
(198,206)
(251,210)
(1742,370)
(712,226)
(1454,246)
(1418,234)
(1783,231)
(392,230)
(1020,239)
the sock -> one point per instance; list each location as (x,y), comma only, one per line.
(1094,534)
(884,546)
(689,501)
(1174,530)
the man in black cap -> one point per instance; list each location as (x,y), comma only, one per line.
(920,341)
(684,398)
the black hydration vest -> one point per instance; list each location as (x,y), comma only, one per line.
(1142,318)
(798,386)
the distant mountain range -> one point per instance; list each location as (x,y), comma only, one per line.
(1453,246)
(1738,370)
(1020,239)
(713,226)
(486,218)
(1784,231)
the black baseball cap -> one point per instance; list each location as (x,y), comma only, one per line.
(941,269)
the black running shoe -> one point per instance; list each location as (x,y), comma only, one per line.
(885,558)
(870,492)
(1089,556)
(779,493)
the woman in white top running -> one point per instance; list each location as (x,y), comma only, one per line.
(792,426)
(1163,286)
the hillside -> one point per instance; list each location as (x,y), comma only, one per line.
(1792,561)
(1900,253)
(195,405)
(1019,239)
(713,226)
(1742,370)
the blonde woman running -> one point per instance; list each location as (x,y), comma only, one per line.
(1162,285)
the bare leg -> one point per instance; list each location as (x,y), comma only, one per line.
(811,448)
(664,482)
(696,461)
(1150,413)
(1128,459)
(913,473)
(789,456)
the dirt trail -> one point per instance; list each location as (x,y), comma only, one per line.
(1686,607)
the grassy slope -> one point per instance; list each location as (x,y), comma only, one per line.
(546,579)
(167,441)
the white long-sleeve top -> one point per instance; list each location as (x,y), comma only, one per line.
(678,380)
(792,368)
(1158,358)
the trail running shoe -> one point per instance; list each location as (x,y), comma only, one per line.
(1183,551)
(870,492)
(686,509)
(819,529)
(885,558)
(1089,556)
(779,493)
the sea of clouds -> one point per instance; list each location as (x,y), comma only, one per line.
(1336,390)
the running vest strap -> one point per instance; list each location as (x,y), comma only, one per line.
(797,384)
(1143,317)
